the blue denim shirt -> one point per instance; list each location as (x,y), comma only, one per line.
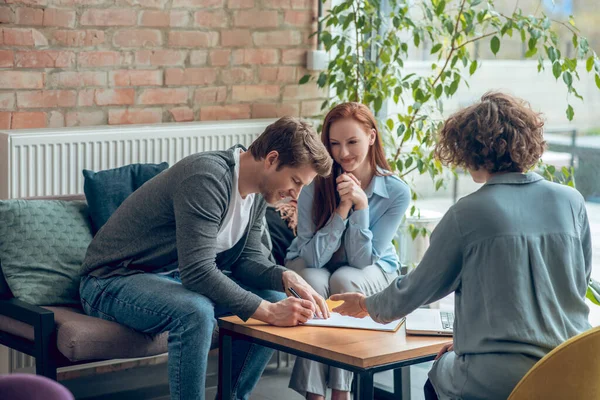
(364,238)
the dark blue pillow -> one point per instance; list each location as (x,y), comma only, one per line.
(106,190)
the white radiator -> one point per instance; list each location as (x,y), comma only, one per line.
(48,162)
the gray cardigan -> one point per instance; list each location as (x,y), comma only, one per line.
(172,222)
(517,253)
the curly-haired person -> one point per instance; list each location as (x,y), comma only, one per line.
(517,254)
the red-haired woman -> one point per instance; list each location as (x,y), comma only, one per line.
(346,223)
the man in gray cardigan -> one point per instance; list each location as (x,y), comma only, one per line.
(185,248)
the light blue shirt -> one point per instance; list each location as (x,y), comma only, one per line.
(518,255)
(363,239)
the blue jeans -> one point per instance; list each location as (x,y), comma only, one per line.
(153,304)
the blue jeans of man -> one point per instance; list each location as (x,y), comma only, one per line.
(153,303)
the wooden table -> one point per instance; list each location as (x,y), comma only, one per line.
(363,352)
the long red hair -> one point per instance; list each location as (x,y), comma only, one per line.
(326,198)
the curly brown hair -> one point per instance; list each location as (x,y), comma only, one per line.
(501,133)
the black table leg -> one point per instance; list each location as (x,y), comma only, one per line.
(224,389)
(365,385)
(402,383)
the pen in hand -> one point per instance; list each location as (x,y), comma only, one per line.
(292,291)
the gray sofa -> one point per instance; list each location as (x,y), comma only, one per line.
(58,336)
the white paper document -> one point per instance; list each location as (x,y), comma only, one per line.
(343,321)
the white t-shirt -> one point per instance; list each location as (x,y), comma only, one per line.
(238,214)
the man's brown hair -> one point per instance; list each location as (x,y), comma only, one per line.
(501,133)
(297,144)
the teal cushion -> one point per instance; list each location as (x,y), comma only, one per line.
(106,190)
(42,246)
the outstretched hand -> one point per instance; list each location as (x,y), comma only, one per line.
(354,304)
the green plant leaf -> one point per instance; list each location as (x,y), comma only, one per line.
(570,113)
(440,7)
(551,51)
(591,296)
(589,64)
(436,48)
(473,67)
(598,81)
(475,3)
(556,69)
(568,79)
(304,79)
(495,45)
(439,89)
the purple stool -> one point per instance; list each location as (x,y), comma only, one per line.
(32,387)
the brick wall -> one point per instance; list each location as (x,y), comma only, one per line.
(94,62)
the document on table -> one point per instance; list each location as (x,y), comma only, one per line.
(343,321)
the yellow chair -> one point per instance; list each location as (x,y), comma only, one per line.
(570,371)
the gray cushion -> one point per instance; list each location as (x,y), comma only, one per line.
(82,338)
(42,246)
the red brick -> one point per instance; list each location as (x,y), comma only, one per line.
(277,38)
(160,4)
(293,56)
(198,57)
(99,59)
(164,96)
(163,19)
(216,113)
(21,80)
(190,76)
(7,58)
(30,16)
(108,17)
(219,58)
(137,38)
(5,118)
(90,37)
(312,108)
(76,79)
(159,57)
(193,39)
(7,101)
(211,19)
(7,16)
(236,38)
(255,92)
(274,110)
(256,19)
(127,77)
(240,4)
(23,37)
(85,98)
(198,3)
(210,95)
(87,3)
(277,74)
(237,75)
(56,119)
(182,114)
(56,17)
(45,59)
(28,2)
(303,4)
(135,116)
(47,99)
(109,97)
(301,92)
(85,118)
(255,56)
(277,4)
(27,120)
(299,18)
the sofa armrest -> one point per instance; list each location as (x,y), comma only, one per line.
(21,311)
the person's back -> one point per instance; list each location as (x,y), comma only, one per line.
(524,274)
